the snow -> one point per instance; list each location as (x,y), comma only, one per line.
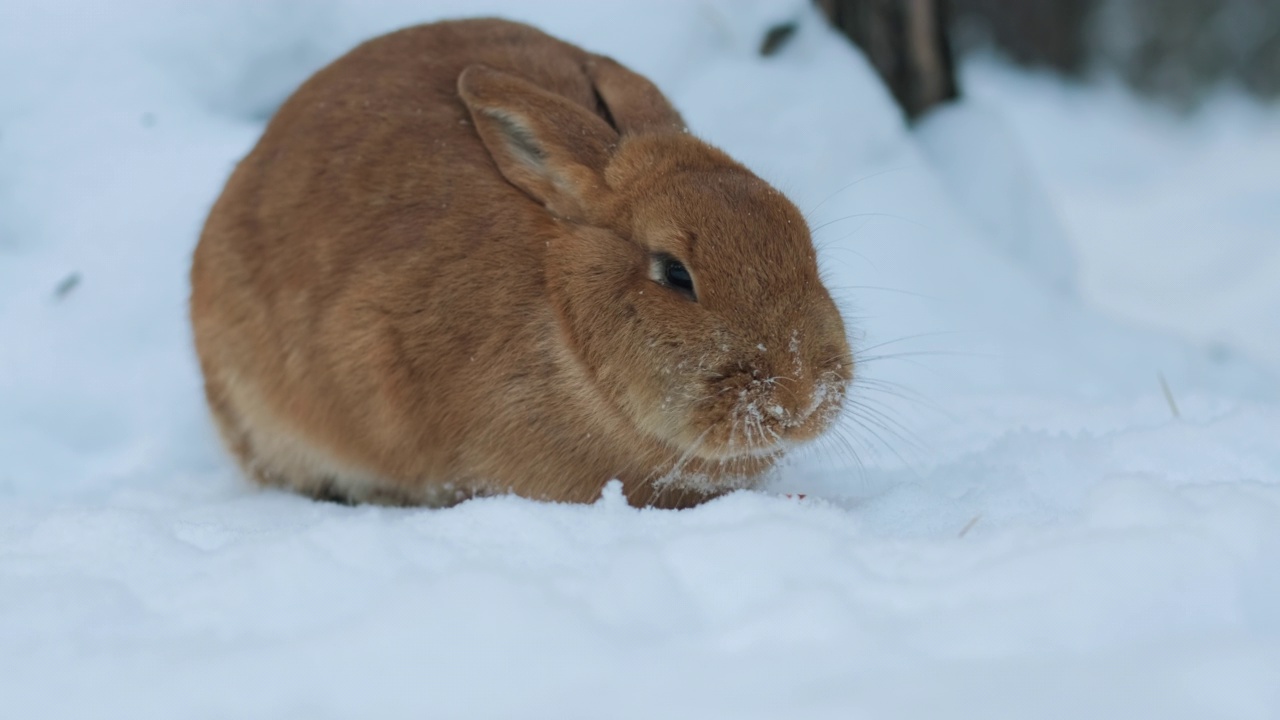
(1194,204)
(1011,522)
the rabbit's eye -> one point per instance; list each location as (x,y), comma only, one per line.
(674,274)
(679,276)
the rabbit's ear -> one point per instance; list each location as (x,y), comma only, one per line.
(547,145)
(634,104)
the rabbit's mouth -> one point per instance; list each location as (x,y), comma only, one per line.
(762,418)
(760,452)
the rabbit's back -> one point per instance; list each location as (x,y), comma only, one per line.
(366,253)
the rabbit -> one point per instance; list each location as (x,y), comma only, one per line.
(469,259)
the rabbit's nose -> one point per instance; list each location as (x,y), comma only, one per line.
(790,400)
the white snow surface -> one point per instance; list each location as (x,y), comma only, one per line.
(1010,522)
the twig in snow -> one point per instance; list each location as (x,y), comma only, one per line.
(64,288)
(1168,396)
(776,37)
(969,525)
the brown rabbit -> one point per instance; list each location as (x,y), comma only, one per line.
(468,258)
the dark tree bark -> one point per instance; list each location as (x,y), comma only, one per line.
(906,41)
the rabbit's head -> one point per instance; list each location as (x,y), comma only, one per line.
(686,287)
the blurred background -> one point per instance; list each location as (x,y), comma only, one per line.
(1176,52)
(1150,126)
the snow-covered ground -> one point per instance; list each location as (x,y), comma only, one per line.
(1011,523)
(1176,224)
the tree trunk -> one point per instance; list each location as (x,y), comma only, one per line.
(906,41)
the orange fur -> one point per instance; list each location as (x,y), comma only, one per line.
(434,277)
